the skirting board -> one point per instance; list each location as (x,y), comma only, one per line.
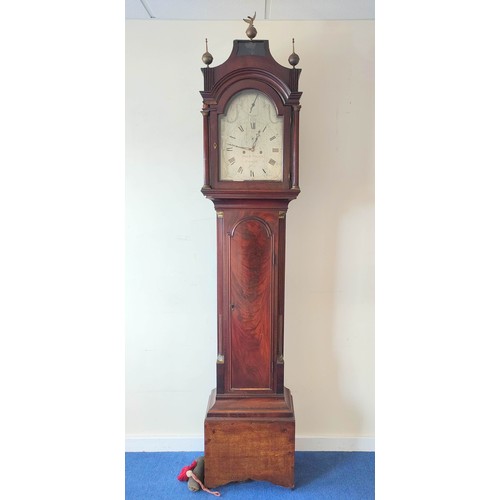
(195,443)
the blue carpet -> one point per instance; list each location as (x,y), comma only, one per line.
(318,475)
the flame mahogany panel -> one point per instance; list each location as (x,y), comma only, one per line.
(251,295)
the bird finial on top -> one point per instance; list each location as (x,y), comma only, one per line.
(251,31)
(252,19)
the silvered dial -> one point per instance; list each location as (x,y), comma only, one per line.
(251,139)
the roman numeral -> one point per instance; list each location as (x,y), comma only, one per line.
(276,150)
(252,125)
(264,170)
(232,137)
(251,173)
(240,170)
(272,138)
(229,149)
(272,162)
(241,128)
(232,160)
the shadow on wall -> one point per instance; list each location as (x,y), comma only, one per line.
(330,255)
(329,325)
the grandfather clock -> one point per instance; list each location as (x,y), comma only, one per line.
(251,161)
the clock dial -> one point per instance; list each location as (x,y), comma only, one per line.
(251,139)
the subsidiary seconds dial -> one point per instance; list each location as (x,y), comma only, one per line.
(251,139)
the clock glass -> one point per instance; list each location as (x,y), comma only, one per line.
(251,139)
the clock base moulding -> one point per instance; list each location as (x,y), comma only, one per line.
(250,438)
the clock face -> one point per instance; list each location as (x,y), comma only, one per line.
(251,139)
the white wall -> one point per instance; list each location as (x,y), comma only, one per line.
(170,245)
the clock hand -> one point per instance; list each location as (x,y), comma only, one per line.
(253,103)
(241,147)
(255,141)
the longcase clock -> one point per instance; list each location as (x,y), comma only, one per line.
(251,154)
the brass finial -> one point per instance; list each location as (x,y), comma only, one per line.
(294,58)
(251,32)
(207,57)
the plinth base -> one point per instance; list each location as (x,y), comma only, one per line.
(250,438)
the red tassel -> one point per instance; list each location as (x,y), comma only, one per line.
(182,475)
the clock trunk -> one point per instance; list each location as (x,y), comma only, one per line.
(250,306)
